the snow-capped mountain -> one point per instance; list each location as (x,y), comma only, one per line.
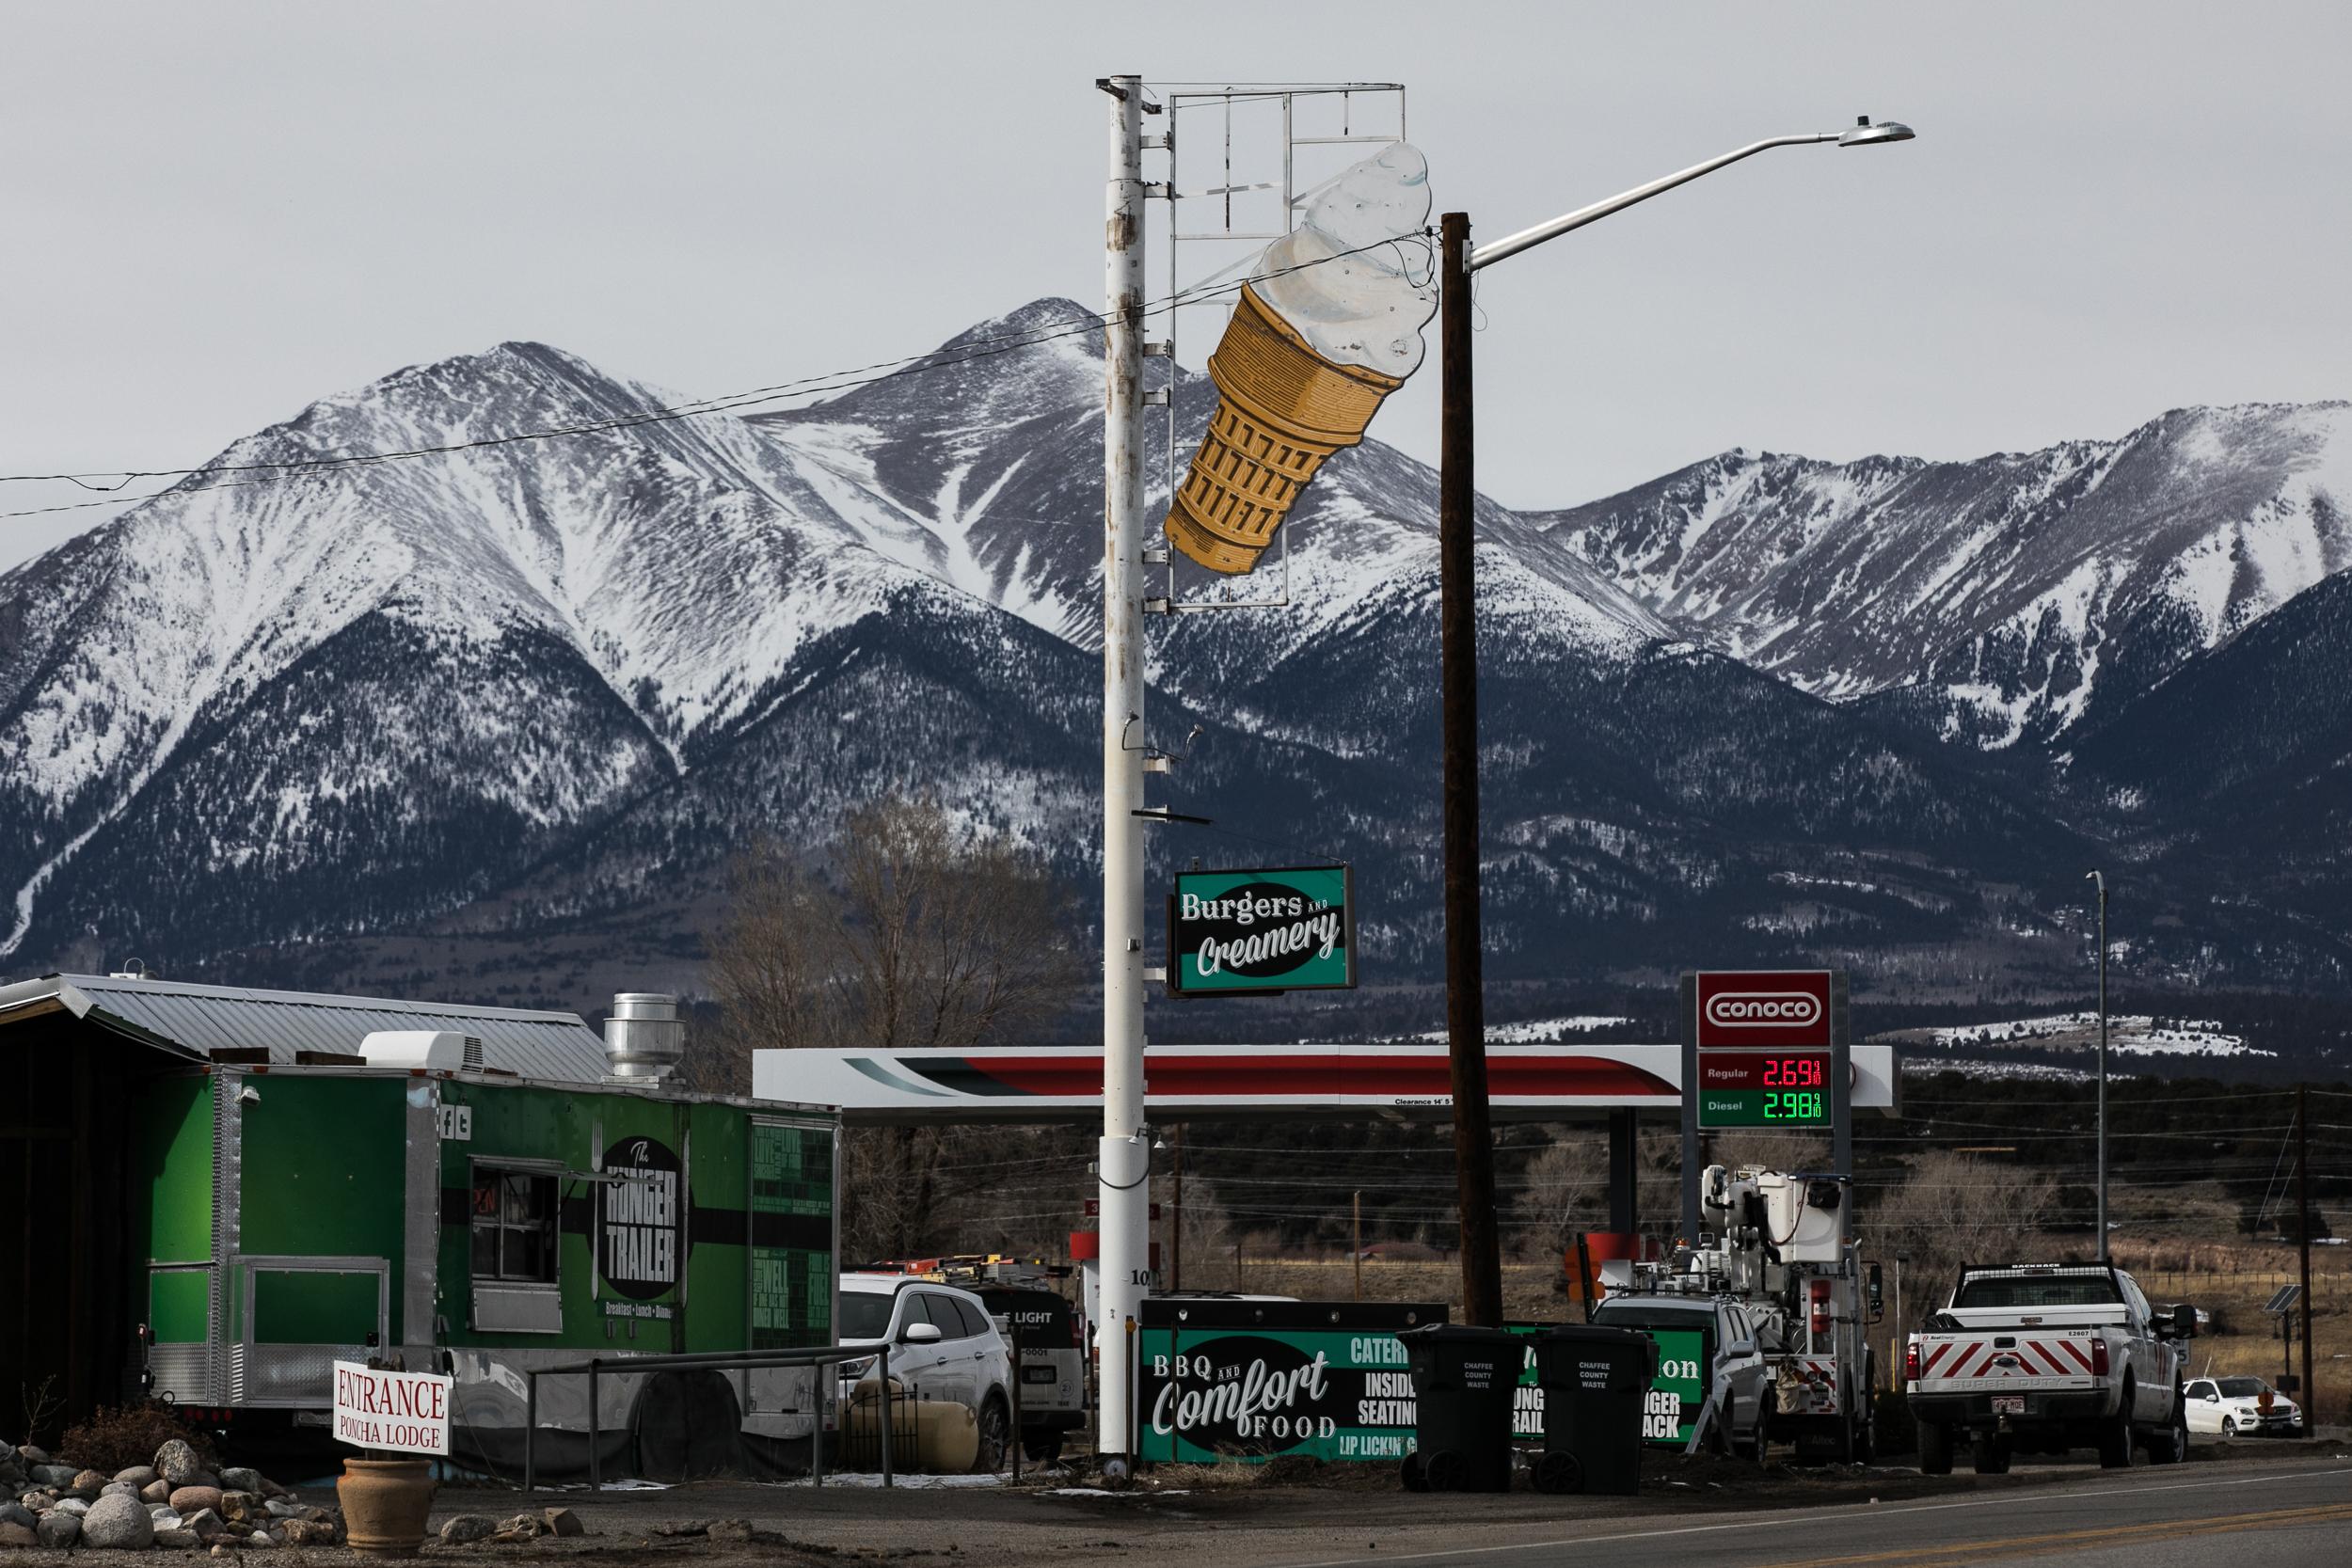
(2000,600)
(499,718)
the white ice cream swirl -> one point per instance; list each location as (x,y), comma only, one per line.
(1366,308)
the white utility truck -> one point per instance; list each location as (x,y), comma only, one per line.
(1776,1244)
(2043,1357)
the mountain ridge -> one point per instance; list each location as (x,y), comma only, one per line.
(541,691)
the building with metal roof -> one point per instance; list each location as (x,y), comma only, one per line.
(199,1020)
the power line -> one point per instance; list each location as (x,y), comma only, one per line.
(831,381)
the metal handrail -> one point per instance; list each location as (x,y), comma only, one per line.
(595,1366)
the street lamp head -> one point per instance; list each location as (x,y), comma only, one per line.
(1865,134)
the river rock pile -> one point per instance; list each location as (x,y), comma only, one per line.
(174,1502)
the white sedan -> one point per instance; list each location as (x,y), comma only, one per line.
(2240,1407)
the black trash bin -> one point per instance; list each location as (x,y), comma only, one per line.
(1465,1381)
(1595,1382)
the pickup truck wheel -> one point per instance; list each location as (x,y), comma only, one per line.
(1935,1448)
(2115,1434)
(1992,1455)
(2171,1445)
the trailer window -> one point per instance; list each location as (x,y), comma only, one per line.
(513,1225)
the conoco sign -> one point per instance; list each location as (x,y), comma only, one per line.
(1773,1009)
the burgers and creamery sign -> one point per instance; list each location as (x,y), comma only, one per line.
(1256,932)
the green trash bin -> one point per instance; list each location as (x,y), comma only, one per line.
(1595,1381)
(1465,1382)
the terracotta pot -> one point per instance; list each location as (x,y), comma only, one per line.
(385,1503)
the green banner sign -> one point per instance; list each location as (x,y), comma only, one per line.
(1673,1403)
(1254,1393)
(1678,1390)
(1258,932)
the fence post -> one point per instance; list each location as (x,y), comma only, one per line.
(889,1433)
(596,1436)
(531,1433)
(825,1389)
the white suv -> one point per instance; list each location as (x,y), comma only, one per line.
(944,1345)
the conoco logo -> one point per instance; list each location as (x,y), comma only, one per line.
(1764,1009)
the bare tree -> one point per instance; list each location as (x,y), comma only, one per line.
(1565,1190)
(1202,1225)
(912,933)
(1953,1209)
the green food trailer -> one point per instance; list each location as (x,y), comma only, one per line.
(296,1179)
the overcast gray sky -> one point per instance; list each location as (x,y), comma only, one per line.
(216,213)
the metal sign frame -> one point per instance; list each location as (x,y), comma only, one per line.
(1183,98)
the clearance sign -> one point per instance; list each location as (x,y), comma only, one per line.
(408,1412)
(1261,932)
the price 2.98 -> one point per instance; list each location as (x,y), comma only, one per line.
(1792,1105)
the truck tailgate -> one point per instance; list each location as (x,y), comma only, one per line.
(1989,1362)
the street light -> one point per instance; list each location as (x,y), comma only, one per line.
(2101,882)
(1457,637)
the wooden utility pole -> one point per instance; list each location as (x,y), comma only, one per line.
(1358,1253)
(1176,1225)
(2303,1237)
(1457,643)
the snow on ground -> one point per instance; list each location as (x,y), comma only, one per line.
(1539,1032)
(2130,1034)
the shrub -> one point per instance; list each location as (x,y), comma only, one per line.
(115,1440)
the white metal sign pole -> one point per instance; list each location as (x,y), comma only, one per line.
(1124,1156)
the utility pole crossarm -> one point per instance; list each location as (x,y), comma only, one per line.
(1511,244)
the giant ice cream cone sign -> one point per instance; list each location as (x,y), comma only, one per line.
(1329,326)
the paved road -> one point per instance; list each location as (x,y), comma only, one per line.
(2174,1518)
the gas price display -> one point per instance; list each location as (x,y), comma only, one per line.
(1764,1089)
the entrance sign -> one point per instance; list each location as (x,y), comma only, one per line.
(1261,932)
(405,1412)
(1254,1379)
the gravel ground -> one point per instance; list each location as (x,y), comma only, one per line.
(1183,1517)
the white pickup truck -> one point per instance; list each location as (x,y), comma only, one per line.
(2042,1358)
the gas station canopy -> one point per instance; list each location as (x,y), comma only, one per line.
(1409,1081)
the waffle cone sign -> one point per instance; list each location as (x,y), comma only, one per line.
(1282,408)
(1330,327)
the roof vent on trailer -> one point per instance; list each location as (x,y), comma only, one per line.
(438,1050)
(643,1038)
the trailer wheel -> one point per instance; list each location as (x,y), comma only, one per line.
(688,1427)
(1935,1448)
